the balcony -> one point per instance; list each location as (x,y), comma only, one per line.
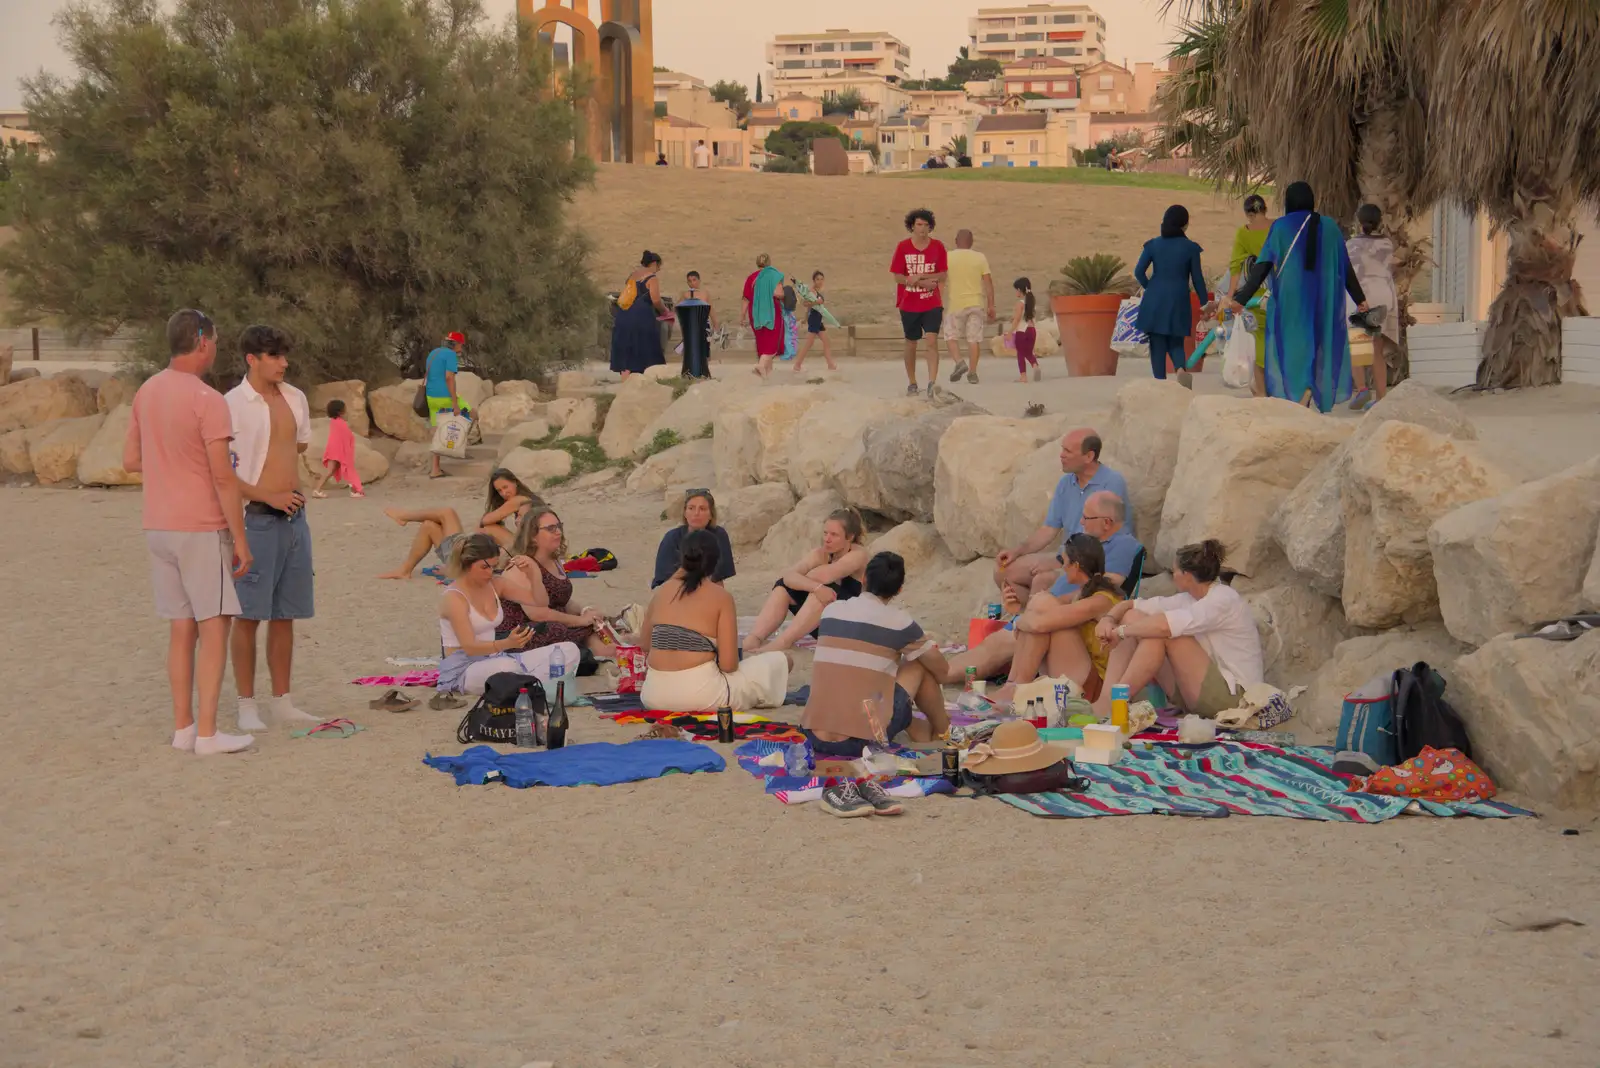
(996,38)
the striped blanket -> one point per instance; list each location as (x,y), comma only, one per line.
(1233,779)
(795,791)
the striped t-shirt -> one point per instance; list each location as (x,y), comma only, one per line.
(859,651)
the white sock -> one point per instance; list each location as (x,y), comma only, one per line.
(281,709)
(250,715)
(222,743)
(184,740)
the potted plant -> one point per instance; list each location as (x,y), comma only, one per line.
(1085,300)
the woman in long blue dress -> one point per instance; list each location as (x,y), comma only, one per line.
(636,331)
(1164,312)
(1308,334)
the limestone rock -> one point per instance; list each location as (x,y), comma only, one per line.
(638,401)
(15,446)
(1402,479)
(472,390)
(1532,710)
(660,371)
(412,455)
(1309,525)
(1506,563)
(690,414)
(1591,583)
(918,545)
(536,466)
(1141,443)
(575,383)
(754,431)
(596,478)
(89,376)
(22,374)
(371,464)
(891,472)
(582,420)
(7,357)
(521,434)
(748,512)
(1357,660)
(39,400)
(558,411)
(827,430)
(55,455)
(1299,630)
(118,390)
(354,394)
(500,413)
(1237,461)
(384,446)
(517,387)
(930,594)
(690,463)
(801,530)
(978,457)
(101,462)
(1029,497)
(392,414)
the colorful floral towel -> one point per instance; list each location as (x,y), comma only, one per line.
(1431,775)
(704,727)
(410,678)
(1232,778)
(795,791)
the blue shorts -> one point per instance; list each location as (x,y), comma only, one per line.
(850,748)
(278,584)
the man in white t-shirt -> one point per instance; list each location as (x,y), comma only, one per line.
(702,156)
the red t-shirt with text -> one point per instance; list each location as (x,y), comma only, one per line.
(912,261)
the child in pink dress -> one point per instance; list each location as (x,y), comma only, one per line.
(339,455)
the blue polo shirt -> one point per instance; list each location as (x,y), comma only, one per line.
(442,361)
(1066,503)
(1122,549)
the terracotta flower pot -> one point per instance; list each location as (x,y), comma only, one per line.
(1086,324)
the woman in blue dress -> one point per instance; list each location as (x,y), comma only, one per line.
(636,331)
(1164,312)
(1308,334)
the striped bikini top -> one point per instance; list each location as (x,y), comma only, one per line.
(678,639)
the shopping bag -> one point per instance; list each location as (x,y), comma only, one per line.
(450,436)
(1238,357)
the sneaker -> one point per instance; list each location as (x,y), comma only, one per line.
(933,390)
(1038,372)
(972,380)
(845,801)
(875,795)
(912,390)
(1358,400)
(961,369)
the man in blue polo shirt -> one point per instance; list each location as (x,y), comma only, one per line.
(1035,564)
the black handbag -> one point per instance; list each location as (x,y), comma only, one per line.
(1057,776)
(419,403)
(494,717)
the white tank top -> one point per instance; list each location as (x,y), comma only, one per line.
(482,629)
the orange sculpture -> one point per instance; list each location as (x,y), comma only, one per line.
(619,115)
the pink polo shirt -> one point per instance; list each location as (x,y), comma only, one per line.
(175,415)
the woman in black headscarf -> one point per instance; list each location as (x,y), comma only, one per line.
(1164,312)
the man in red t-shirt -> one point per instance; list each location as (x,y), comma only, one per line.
(919,267)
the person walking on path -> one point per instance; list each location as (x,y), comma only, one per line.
(816,324)
(971,306)
(636,330)
(178,438)
(1372,258)
(763,311)
(271,428)
(1164,314)
(1248,241)
(920,266)
(443,363)
(339,454)
(1024,331)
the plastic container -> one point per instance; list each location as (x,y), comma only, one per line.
(979,629)
(1119,707)
(558,664)
(527,733)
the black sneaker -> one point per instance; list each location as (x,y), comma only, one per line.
(961,369)
(845,800)
(912,390)
(873,793)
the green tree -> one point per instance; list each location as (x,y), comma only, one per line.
(734,95)
(846,102)
(966,69)
(758,88)
(368,174)
(793,140)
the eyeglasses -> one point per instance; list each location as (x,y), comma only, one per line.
(551,526)
(1097,518)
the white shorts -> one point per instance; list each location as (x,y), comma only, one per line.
(191,572)
(760,682)
(965,324)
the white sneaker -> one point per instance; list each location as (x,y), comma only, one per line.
(222,743)
(250,715)
(183,741)
(281,710)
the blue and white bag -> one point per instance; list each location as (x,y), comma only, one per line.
(1127,335)
(1366,722)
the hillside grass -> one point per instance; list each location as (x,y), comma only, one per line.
(1097,176)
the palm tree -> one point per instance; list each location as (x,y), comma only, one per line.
(957,146)
(1197,119)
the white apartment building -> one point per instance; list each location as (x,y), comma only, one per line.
(1072,32)
(819,65)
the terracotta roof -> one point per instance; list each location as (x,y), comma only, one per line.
(1015,123)
(673,120)
(1028,62)
(1110,117)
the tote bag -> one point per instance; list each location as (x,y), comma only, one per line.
(450,436)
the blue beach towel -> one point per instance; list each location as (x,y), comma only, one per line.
(590,764)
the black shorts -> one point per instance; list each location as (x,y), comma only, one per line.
(916,324)
(814,323)
(850,748)
(844,589)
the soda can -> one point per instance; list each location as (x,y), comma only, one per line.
(950,764)
(1119,692)
(725,725)
(993,610)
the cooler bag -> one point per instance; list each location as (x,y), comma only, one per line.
(1366,722)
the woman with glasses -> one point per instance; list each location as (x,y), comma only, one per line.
(1248,242)
(699,512)
(469,612)
(535,589)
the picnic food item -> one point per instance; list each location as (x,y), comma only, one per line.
(1119,706)
(630,668)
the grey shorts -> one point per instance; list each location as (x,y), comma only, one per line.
(965,324)
(278,584)
(191,572)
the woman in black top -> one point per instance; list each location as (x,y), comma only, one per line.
(699,513)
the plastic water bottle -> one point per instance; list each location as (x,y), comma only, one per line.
(797,760)
(524,716)
(558,664)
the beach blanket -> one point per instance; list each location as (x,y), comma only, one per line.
(1234,779)
(795,791)
(412,661)
(411,678)
(590,764)
(704,726)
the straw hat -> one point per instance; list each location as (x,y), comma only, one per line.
(1015,746)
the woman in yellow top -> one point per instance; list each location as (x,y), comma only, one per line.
(1060,635)
(1248,242)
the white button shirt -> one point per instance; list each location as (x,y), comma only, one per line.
(252,426)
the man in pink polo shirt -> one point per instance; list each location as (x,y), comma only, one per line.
(193,525)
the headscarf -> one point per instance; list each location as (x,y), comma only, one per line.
(1299,197)
(1174,221)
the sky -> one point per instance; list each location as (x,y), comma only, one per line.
(700,37)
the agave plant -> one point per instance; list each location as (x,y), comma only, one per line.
(1085,276)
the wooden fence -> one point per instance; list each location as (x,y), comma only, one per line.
(44,344)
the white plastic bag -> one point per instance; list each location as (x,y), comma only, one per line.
(1238,357)
(450,436)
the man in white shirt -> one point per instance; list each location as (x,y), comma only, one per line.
(271,428)
(702,156)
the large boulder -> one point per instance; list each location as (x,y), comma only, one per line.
(827,430)
(7,356)
(371,465)
(504,411)
(890,471)
(39,400)
(521,434)
(693,412)
(354,394)
(1238,459)
(409,455)
(687,464)
(918,545)
(392,412)
(978,458)
(560,410)
(22,374)
(118,390)
(1309,525)
(1141,444)
(1357,660)
(754,431)
(1401,480)
(1299,630)
(1508,562)
(1031,488)
(101,462)
(537,466)
(638,401)
(517,387)
(16,448)
(582,420)
(575,383)
(748,512)
(55,455)
(472,390)
(1532,709)
(1591,583)
(92,377)
(801,530)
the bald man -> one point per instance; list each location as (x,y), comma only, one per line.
(1035,564)
(970,306)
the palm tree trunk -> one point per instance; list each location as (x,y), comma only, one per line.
(1522,339)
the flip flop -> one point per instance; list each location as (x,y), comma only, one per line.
(333,728)
(393,701)
(1564,630)
(440,702)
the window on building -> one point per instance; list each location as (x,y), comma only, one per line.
(1026,52)
(1061,51)
(1027,20)
(794,113)
(825,46)
(926,141)
(1066,18)
(1107,81)
(1037,66)
(985,148)
(861,46)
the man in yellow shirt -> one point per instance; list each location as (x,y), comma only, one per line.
(970,307)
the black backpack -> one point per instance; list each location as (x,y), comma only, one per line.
(1422,717)
(494,717)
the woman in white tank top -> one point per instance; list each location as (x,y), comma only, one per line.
(466,628)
